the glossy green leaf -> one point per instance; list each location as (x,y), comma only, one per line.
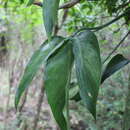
(33,66)
(50,11)
(57,78)
(88,68)
(30,2)
(115,64)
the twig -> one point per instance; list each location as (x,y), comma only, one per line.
(65,15)
(64,6)
(23,101)
(11,76)
(126,117)
(117,46)
(117,30)
(36,119)
(11,81)
(69,4)
(58,27)
(38,4)
(123,5)
(104,25)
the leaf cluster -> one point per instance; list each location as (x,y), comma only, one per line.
(57,56)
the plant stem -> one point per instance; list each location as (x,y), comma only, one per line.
(64,6)
(24,99)
(8,102)
(40,100)
(104,25)
(126,119)
(117,46)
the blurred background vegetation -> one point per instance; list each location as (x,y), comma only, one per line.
(22,32)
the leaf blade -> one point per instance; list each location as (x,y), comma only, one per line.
(115,64)
(88,68)
(55,85)
(34,64)
(50,11)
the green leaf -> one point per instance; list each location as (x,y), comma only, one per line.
(30,2)
(115,64)
(57,78)
(88,68)
(50,11)
(33,66)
